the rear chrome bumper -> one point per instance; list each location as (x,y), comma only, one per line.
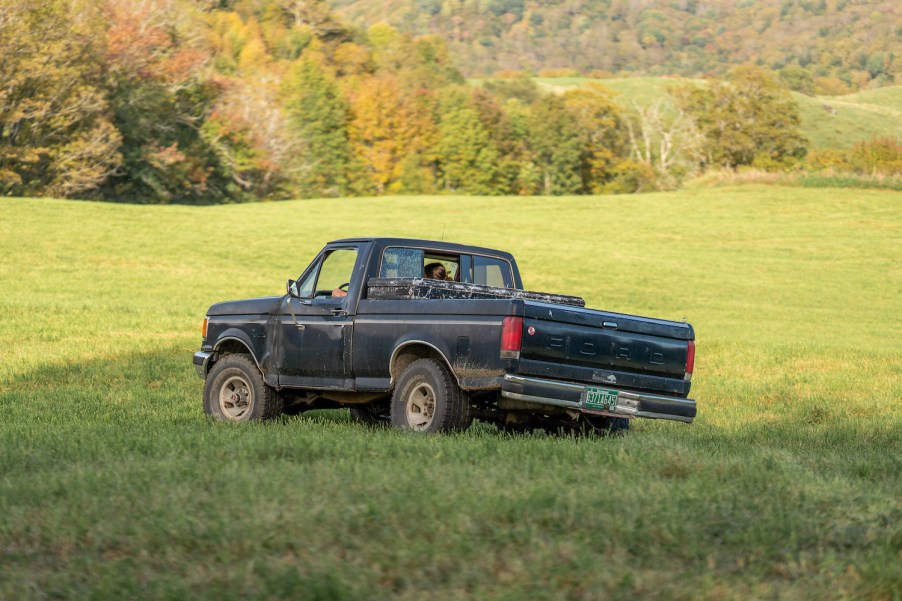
(201,360)
(573,396)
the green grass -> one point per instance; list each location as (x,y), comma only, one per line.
(827,121)
(641,91)
(848,181)
(843,121)
(880,98)
(113,485)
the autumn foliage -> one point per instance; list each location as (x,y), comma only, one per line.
(201,102)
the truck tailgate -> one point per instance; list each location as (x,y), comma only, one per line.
(598,347)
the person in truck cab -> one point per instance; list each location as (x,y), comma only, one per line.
(436,271)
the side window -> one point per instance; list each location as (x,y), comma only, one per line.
(335,271)
(331,272)
(491,272)
(305,288)
(401,263)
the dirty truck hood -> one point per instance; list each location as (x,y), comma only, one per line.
(250,306)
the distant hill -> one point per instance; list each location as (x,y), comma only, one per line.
(841,42)
(827,121)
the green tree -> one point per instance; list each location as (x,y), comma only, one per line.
(749,118)
(468,159)
(528,177)
(320,114)
(559,146)
(798,79)
(599,121)
(522,87)
(423,62)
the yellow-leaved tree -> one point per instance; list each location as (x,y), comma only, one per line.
(56,135)
(391,132)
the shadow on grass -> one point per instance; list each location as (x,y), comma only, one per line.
(161,386)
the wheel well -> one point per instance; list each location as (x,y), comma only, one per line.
(412,352)
(233,346)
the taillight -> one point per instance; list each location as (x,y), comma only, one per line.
(204,328)
(690,358)
(511,337)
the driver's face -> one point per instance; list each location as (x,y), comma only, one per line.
(440,273)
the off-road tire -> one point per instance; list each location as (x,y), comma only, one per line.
(427,399)
(235,391)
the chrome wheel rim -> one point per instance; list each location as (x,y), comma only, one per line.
(236,398)
(420,406)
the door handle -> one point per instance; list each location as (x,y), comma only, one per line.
(338,311)
(609,325)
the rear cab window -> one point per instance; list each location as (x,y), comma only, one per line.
(405,262)
(489,271)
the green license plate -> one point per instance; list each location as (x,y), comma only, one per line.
(600,398)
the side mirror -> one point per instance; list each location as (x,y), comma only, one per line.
(291,287)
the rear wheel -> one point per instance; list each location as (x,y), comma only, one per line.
(235,391)
(426,399)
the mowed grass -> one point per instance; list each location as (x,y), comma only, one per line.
(114,485)
(826,121)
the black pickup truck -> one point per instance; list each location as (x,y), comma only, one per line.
(364,328)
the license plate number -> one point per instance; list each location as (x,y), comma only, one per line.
(600,398)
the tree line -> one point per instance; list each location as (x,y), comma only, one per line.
(202,102)
(824,46)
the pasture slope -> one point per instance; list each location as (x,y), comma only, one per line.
(113,485)
(827,121)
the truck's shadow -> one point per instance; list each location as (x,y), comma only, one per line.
(158,385)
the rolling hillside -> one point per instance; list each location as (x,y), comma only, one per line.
(857,41)
(827,121)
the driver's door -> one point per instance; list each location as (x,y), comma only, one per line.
(316,324)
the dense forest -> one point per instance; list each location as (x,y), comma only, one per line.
(839,44)
(201,101)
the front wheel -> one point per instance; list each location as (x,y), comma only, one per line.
(235,391)
(426,399)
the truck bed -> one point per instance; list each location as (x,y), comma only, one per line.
(564,341)
(425,289)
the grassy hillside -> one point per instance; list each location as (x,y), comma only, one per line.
(114,485)
(827,121)
(880,98)
(843,121)
(856,40)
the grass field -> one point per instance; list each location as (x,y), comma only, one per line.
(113,484)
(827,121)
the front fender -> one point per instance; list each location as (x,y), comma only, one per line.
(227,340)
